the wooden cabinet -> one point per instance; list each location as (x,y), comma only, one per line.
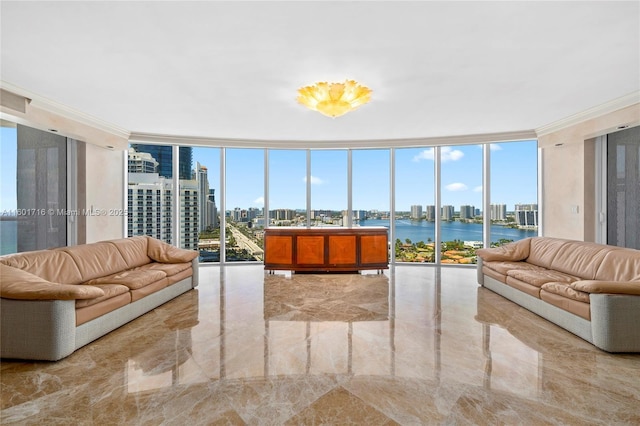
(326,249)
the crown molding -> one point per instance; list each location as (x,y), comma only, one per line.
(161,139)
(598,111)
(42,103)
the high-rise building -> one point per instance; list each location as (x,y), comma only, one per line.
(189,214)
(163,154)
(212,210)
(282,214)
(498,211)
(431,213)
(150,201)
(149,206)
(526,215)
(467,212)
(141,162)
(416,211)
(447,212)
(202,179)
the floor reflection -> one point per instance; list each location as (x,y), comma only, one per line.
(415,345)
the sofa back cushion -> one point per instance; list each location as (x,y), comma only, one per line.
(133,250)
(620,265)
(581,259)
(542,250)
(52,265)
(96,260)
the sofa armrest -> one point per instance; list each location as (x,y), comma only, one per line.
(607,287)
(166,253)
(479,274)
(195,278)
(516,251)
(18,284)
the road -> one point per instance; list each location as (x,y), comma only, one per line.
(243,242)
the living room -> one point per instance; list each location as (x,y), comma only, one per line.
(418,343)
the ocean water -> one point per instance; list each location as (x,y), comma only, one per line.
(423,230)
(8,236)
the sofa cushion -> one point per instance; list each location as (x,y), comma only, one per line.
(540,277)
(22,285)
(179,276)
(620,265)
(92,312)
(143,292)
(564,290)
(580,258)
(132,279)
(543,250)
(531,290)
(575,307)
(168,268)
(50,265)
(110,290)
(608,287)
(515,251)
(133,250)
(504,267)
(96,260)
(166,253)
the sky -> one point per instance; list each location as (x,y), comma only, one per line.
(513,176)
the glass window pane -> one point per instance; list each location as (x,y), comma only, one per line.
(199,216)
(244,197)
(415,205)
(461,193)
(370,191)
(623,188)
(8,186)
(149,191)
(41,175)
(329,188)
(514,191)
(287,187)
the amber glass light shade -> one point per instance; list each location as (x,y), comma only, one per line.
(334,99)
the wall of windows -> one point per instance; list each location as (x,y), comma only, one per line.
(431,199)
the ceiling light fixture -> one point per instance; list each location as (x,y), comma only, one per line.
(334,99)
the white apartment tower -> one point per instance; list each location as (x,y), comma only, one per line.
(527,215)
(416,211)
(431,213)
(447,212)
(498,212)
(467,212)
(203,188)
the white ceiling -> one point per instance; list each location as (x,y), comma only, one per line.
(231,69)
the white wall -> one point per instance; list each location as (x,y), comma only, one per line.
(104,192)
(568,169)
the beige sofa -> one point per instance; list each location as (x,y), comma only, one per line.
(56,301)
(591,290)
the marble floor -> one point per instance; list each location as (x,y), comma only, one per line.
(416,345)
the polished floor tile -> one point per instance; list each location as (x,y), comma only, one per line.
(415,345)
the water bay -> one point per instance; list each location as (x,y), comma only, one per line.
(423,230)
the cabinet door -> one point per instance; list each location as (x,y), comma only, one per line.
(278,250)
(309,250)
(373,249)
(342,250)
